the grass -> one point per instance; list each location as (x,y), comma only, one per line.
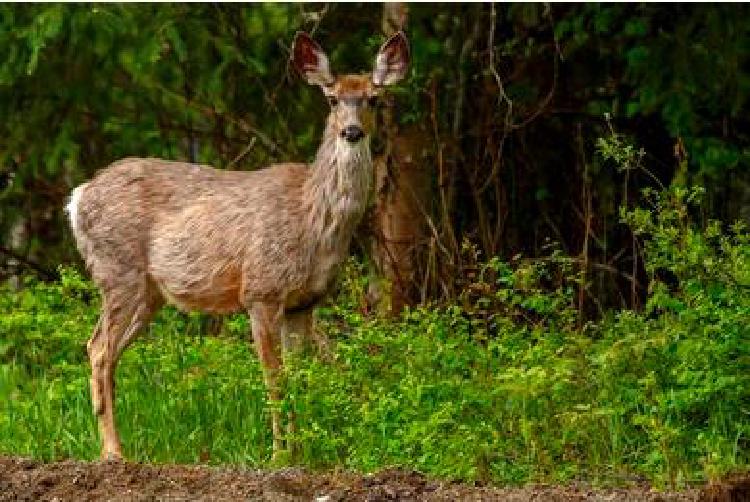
(179,398)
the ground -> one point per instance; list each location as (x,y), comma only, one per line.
(22,479)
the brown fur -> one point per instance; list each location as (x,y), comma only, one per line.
(266,242)
(351,86)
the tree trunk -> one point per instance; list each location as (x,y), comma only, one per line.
(402,183)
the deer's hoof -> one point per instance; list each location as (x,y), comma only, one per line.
(112,457)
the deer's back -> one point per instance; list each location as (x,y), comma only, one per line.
(206,239)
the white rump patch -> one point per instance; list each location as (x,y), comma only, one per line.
(72,207)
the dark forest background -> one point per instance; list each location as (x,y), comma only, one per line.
(495,145)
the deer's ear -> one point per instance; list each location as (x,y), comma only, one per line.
(392,60)
(310,61)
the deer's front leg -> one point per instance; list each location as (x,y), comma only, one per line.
(266,327)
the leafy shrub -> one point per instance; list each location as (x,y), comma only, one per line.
(505,387)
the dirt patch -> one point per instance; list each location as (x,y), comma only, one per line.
(22,480)
(732,489)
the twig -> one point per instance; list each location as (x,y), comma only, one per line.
(556,70)
(577,260)
(548,13)
(441,166)
(507,126)
(381,239)
(508,123)
(211,112)
(545,101)
(316,17)
(586,202)
(592,234)
(466,48)
(244,152)
(493,68)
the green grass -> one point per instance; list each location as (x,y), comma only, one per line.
(181,396)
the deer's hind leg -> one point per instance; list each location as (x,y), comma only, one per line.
(296,332)
(124,312)
(299,336)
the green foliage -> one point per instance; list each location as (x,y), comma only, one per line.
(507,389)
(712,260)
(504,387)
(680,65)
(619,150)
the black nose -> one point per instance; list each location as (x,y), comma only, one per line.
(352,133)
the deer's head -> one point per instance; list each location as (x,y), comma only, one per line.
(352,97)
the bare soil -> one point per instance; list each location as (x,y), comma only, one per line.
(22,479)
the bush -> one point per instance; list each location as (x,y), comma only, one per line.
(506,388)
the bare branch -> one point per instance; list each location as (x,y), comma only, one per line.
(507,126)
(244,152)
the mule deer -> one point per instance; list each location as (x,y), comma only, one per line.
(266,242)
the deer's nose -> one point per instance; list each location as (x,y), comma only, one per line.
(352,133)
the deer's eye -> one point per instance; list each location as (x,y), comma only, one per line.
(333,101)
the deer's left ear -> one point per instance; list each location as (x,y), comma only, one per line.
(310,61)
(392,60)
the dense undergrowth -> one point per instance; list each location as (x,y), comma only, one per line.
(506,386)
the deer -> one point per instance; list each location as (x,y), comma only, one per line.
(266,242)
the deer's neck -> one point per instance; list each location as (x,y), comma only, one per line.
(338,190)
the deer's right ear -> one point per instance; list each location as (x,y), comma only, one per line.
(310,61)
